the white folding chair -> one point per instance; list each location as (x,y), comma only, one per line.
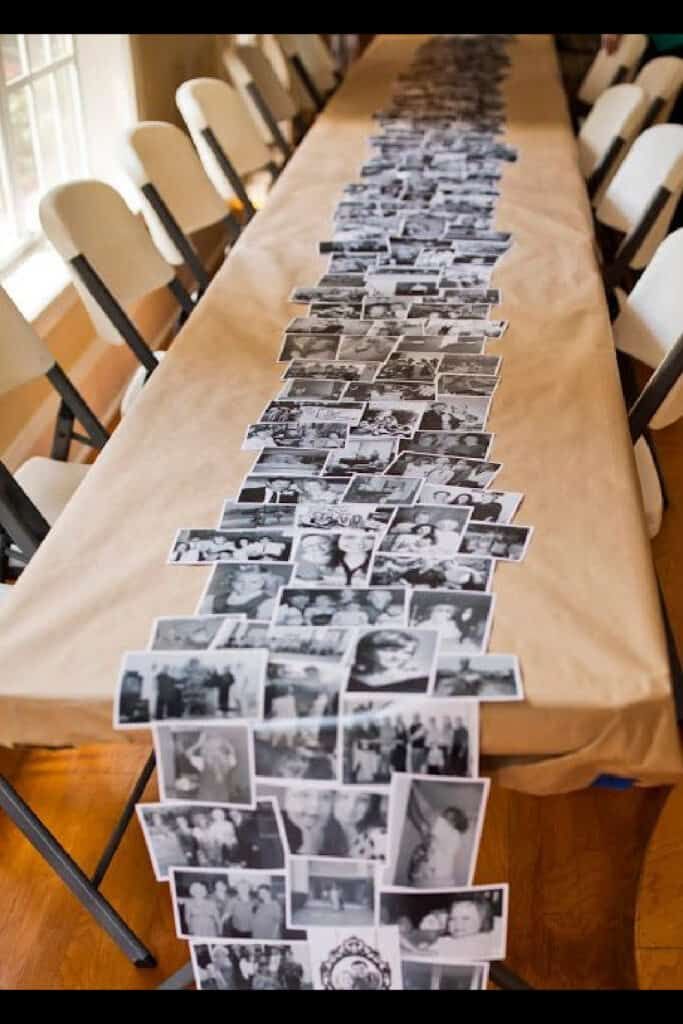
(641,198)
(319,62)
(662,79)
(268,102)
(283,56)
(177,197)
(113,262)
(611,126)
(612,68)
(225,137)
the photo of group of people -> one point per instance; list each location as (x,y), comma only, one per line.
(428,737)
(316,722)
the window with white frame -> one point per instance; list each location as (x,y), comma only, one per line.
(42,141)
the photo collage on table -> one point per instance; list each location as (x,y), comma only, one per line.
(316,721)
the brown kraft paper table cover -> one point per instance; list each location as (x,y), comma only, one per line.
(582,610)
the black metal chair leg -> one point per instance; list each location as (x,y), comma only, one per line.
(73,877)
(123,822)
(506,979)
(181,979)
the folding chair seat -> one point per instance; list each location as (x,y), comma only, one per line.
(270,105)
(662,79)
(229,146)
(605,136)
(283,56)
(113,261)
(639,202)
(177,197)
(610,69)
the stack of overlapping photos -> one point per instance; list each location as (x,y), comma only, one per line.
(316,722)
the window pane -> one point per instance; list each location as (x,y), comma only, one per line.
(60,46)
(37,50)
(10,49)
(28,185)
(66,92)
(48,130)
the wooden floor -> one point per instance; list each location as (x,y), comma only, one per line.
(572,862)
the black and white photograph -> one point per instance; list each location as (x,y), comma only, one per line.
(323,390)
(345,516)
(298,739)
(289,490)
(241,635)
(491,296)
(420,975)
(356,959)
(390,391)
(463,618)
(295,435)
(316,325)
(234,516)
(350,264)
(205,763)
(475,277)
(305,346)
(230,904)
(385,309)
(247,590)
(423,226)
(443,309)
(448,925)
(445,469)
(434,830)
(403,367)
(325,412)
(393,661)
(154,686)
(352,246)
(332,821)
(473,444)
(333,559)
(190,836)
(316,293)
(487,506)
(432,572)
(313,369)
(341,606)
(336,310)
(465,344)
(507,543)
(197,547)
(195,633)
(384,420)
(361,455)
(483,365)
(425,529)
(456,414)
(419,736)
(383,490)
(484,677)
(238,966)
(434,258)
(342,280)
(465,384)
(294,461)
(330,645)
(366,349)
(489,328)
(324,892)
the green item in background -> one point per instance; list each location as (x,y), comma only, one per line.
(667,42)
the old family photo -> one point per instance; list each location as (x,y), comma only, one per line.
(229,904)
(205,763)
(212,836)
(236,966)
(432,737)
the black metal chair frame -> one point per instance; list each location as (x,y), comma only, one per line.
(269,120)
(613,274)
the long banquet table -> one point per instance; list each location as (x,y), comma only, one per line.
(582,611)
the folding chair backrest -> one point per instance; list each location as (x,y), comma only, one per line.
(651,318)
(318,60)
(160,154)
(23,355)
(91,219)
(279,50)
(618,112)
(211,103)
(247,64)
(662,79)
(655,160)
(605,67)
